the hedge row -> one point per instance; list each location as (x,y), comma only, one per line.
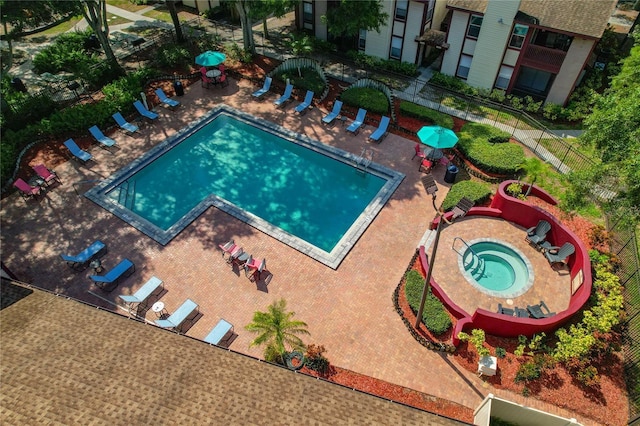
(479,143)
(478,192)
(434,315)
(427,114)
(365,97)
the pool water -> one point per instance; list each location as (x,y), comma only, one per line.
(496,268)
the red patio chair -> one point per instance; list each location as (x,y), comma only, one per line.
(47,175)
(205,80)
(253,268)
(27,191)
(419,153)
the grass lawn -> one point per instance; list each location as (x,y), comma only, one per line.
(116,20)
(127,5)
(58,29)
(162,14)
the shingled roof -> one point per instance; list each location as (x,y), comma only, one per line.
(65,362)
(584,17)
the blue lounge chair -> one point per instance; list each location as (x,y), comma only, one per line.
(381,131)
(105,142)
(110,280)
(286,96)
(178,317)
(143,292)
(358,122)
(75,150)
(149,115)
(219,331)
(265,88)
(124,125)
(302,108)
(329,118)
(164,100)
(82,259)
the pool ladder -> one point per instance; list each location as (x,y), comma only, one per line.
(479,263)
(364,160)
(127,194)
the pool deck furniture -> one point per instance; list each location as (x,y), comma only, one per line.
(286,96)
(253,268)
(204,80)
(226,246)
(219,331)
(110,280)
(104,141)
(265,88)
(149,115)
(522,313)
(304,105)
(141,295)
(82,259)
(76,152)
(165,100)
(540,310)
(505,311)
(234,254)
(47,175)
(241,259)
(462,208)
(124,125)
(418,152)
(179,316)
(330,118)
(381,132)
(558,254)
(27,191)
(425,166)
(537,235)
(429,184)
(358,122)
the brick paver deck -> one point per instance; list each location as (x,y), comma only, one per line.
(348,310)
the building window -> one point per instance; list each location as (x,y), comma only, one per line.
(307,15)
(396,47)
(534,81)
(430,9)
(474,26)
(463,67)
(402,8)
(362,39)
(504,77)
(518,35)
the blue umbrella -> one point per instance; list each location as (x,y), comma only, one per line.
(210,59)
(437,137)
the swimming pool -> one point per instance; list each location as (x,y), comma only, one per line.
(306,194)
(496,268)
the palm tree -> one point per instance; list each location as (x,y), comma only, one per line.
(277,330)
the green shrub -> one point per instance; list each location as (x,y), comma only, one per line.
(477,192)
(365,97)
(503,158)
(476,338)
(528,371)
(67,53)
(427,114)
(371,62)
(501,352)
(310,80)
(26,109)
(314,358)
(452,83)
(172,55)
(434,316)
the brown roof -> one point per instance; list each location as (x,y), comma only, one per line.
(66,362)
(585,17)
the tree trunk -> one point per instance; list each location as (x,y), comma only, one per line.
(95,12)
(265,30)
(171,5)
(243,8)
(8,63)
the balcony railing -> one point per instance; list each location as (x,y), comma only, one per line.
(543,58)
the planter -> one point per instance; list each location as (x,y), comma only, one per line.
(294,360)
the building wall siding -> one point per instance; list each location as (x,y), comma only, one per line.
(457,31)
(320,9)
(511,57)
(378,43)
(414,27)
(569,71)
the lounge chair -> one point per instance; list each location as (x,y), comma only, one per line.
(358,122)
(166,101)
(265,88)
(124,125)
(82,259)
(149,115)
(175,319)
(141,295)
(537,235)
(429,184)
(462,208)
(381,131)
(219,331)
(335,112)
(110,280)
(286,96)
(27,191)
(540,311)
(308,98)
(105,142)
(522,313)
(229,245)
(418,152)
(75,150)
(559,254)
(47,175)
(253,268)
(505,311)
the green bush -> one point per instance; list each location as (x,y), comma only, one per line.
(67,53)
(427,114)
(366,61)
(477,192)
(172,55)
(453,83)
(310,80)
(365,97)
(502,158)
(434,316)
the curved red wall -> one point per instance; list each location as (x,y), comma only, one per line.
(524,214)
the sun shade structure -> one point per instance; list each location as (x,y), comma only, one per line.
(210,58)
(437,137)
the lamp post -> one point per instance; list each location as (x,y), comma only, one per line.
(427,281)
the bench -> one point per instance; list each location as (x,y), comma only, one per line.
(181,314)
(219,331)
(122,269)
(143,292)
(79,262)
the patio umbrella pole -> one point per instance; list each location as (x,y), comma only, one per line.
(427,289)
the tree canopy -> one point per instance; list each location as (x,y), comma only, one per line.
(351,16)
